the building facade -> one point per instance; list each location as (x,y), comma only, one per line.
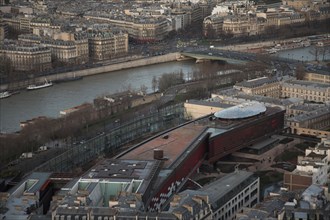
(141,29)
(82,50)
(311,169)
(317,77)
(311,122)
(314,163)
(62,51)
(3,31)
(263,86)
(254,122)
(28,58)
(240,25)
(239,189)
(212,26)
(69,51)
(310,91)
(155,30)
(107,45)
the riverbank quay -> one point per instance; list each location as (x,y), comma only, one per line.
(283,44)
(105,68)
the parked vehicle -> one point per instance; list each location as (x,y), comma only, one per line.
(43,148)
(26,155)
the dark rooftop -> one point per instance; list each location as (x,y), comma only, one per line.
(209,103)
(173,144)
(257,82)
(122,169)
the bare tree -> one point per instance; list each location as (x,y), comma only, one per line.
(127,87)
(325,50)
(170,79)
(143,89)
(154,83)
(208,70)
(300,72)
(316,52)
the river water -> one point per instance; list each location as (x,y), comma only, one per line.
(50,101)
(306,53)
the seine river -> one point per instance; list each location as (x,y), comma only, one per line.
(305,54)
(50,101)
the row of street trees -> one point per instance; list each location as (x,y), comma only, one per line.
(43,130)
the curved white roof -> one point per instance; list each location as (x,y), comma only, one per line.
(244,110)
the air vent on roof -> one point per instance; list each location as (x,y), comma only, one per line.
(158,154)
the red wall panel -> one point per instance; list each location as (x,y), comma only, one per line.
(237,138)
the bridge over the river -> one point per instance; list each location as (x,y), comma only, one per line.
(202,57)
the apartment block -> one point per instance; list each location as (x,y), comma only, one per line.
(315,123)
(316,163)
(63,51)
(263,86)
(74,51)
(311,169)
(213,25)
(140,29)
(317,77)
(107,45)
(303,108)
(310,91)
(240,25)
(220,200)
(27,58)
(322,148)
(3,31)
(310,203)
(233,192)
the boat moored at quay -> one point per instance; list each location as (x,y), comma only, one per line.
(5,94)
(40,86)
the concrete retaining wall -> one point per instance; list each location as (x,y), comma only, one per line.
(97,70)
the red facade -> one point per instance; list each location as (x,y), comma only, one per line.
(189,165)
(216,147)
(238,137)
